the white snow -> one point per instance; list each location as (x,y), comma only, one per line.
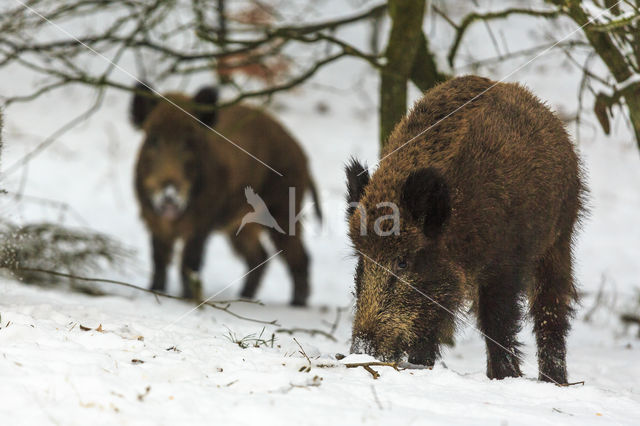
(140,368)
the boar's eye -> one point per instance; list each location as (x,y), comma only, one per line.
(401,263)
(151,141)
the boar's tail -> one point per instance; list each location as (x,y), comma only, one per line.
(316,199)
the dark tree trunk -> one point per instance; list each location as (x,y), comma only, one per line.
(222,36)
(424,72)
(406,31)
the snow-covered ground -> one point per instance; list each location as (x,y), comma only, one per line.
(129,358)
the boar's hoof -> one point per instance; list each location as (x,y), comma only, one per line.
(427,362)
(192,290)
(555,372)
(299,303)
(499,369)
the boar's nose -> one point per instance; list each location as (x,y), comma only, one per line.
(170,189)
(362,344)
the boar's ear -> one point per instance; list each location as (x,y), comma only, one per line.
(142,104)
(357,180)
(426,195)
(207,98)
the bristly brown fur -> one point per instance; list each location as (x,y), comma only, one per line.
(489,198)
(212,174)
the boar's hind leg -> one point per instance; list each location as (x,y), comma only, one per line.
(499,315)
(297,261)
(247,245)
(162,250)
(192,255)
(551,310)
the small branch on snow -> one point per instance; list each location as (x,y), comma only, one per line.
(393,365)
(566,385)
(373,372)
(306,369)
(366,365)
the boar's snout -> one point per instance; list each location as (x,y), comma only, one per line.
(385,349)
(362,345)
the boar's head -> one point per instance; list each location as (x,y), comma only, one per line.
(405,284)
(173,156)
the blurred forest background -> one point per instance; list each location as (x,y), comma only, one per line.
(257,50)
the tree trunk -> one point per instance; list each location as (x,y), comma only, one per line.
(224,78)
(424,72)
(406,31)
(632,99)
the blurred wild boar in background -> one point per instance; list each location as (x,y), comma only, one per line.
(190,182)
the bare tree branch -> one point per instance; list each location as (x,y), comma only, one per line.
(471,18)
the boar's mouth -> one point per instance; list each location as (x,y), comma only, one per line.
(168,205)
(169,210)
(394,352)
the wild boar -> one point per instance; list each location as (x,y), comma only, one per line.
(486,199)
(190,182)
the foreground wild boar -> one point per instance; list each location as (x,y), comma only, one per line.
(190,182)
(487,200)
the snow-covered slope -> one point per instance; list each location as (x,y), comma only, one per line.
(143,367)
(140,369)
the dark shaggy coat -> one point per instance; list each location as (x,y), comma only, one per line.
(488,196)
(200,180)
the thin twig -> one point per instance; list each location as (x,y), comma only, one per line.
(307,368)
(393,365)
(566,385)
(55,135)
(219,305)
(468,20)
(310,331)
(366,365)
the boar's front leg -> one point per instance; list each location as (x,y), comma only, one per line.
(424,352)
(499,316)
(191,263)
(162,249)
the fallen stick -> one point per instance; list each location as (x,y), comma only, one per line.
(393,365)
(566,385)
(373,372)
(220,305)
(366,365)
